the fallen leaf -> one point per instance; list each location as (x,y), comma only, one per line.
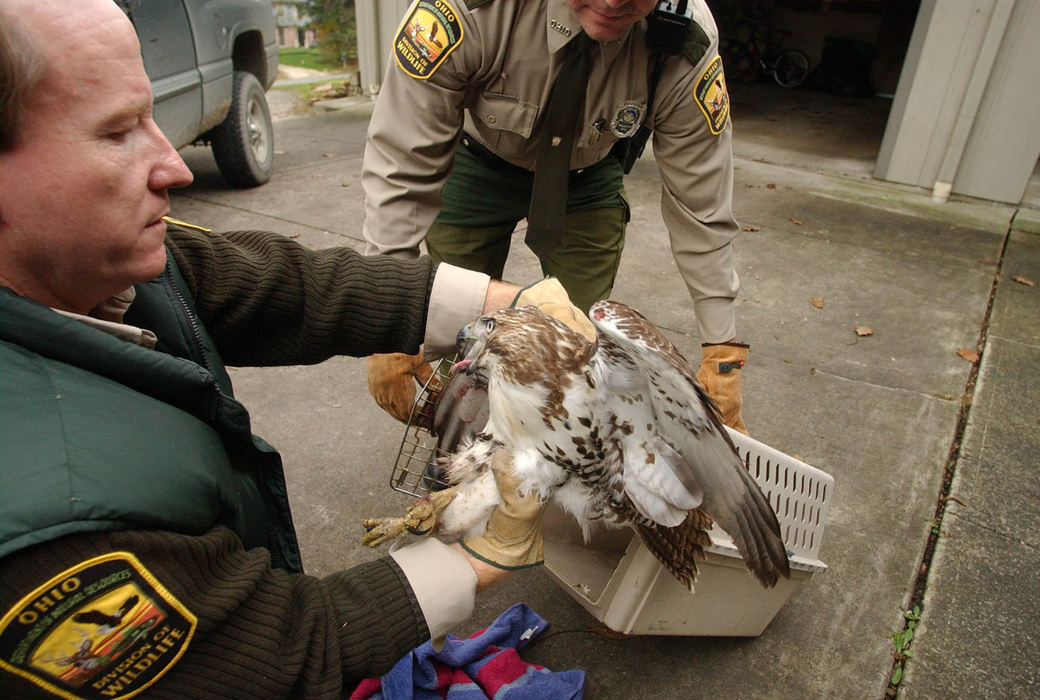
(864,330)
(968,354)
(1022,280)
(331,154)
(752,228)
(318,175)
(294,235)
(796,222)
(344,184)
(770,186)
(279,153)
(816,301)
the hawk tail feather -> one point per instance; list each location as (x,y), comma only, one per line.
(758,536)
(679,547)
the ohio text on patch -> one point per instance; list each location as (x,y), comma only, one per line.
(712,97)
(429,33)
(105,628)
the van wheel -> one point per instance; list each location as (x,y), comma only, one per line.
(243,144)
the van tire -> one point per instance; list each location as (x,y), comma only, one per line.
(243,144)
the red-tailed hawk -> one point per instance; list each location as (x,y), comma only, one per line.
(617,430)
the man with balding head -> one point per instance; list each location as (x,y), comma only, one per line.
(146,539)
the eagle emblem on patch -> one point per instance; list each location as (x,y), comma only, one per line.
(428,34)
(712,97)
(105,628)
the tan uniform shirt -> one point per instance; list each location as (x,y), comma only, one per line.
(492,69)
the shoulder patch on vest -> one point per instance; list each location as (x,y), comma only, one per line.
(696,45)
(428,34)
(105,628)
(712,97)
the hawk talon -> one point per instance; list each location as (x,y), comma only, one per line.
(381,530)
(420,519)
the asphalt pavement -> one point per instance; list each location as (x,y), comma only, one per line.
(895,344)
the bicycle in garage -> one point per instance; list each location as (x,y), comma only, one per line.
(748,54)
(788,67)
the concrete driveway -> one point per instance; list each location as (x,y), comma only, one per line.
(900,419)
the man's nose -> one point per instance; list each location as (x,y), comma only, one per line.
(170,170)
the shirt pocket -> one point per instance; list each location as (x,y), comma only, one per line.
(506,113)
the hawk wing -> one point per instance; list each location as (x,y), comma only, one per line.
(686,419)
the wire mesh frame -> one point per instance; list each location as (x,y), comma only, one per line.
(414,472)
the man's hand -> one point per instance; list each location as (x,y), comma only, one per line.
(549,297)
(720,375)
(391,381)
(513,538)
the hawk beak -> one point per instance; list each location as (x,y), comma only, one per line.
(465,341)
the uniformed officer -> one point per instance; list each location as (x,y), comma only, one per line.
(454,140)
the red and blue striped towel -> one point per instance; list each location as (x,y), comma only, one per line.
(484,666)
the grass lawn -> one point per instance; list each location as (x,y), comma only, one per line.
(305,58)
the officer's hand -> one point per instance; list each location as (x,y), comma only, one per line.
(513,539)
(551,298)
(391,381)
(720,375)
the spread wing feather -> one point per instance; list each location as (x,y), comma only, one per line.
(688,421)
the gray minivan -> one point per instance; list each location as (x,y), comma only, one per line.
(211,62)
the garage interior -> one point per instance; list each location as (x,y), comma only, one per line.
(837,118)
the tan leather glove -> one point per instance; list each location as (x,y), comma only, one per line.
(513,539)
(551,299)
(391,381)
(719,374)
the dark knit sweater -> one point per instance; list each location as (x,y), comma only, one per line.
(268,301)
(261,632)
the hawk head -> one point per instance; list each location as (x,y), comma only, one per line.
(522,345)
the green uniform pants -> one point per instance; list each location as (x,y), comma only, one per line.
(484,200)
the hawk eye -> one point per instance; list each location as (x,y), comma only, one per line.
(489,325)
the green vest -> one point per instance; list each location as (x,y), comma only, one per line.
(99,434)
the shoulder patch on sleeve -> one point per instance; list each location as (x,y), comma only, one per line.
(429,33)
(712,97)
(105,628)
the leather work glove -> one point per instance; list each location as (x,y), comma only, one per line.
(549,297)
(513,539)
(391,381)
(720,376)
